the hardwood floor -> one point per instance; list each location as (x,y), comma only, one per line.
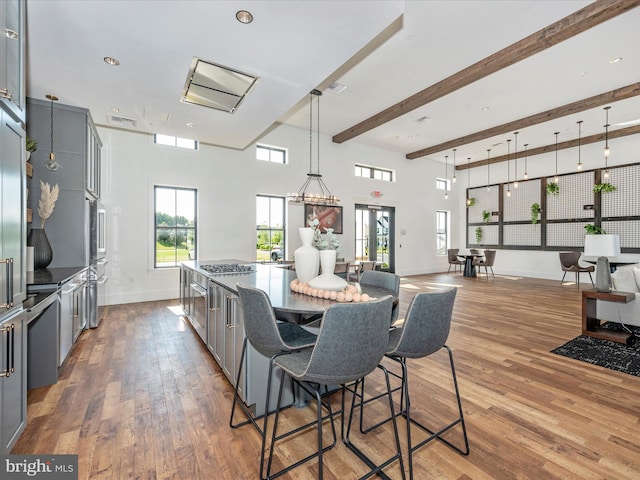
(140,397)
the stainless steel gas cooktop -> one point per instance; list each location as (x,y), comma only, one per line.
(226,268)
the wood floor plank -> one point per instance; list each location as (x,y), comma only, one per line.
(140,397)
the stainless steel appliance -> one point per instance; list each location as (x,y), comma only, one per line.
(198,304)
(97,277)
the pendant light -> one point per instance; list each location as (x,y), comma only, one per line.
(446,172)
(607,151)
(515,177)
(526,175)
(508,167)
(325,197)
(52,165)
(579,166)
(555,179)
(453,179)
(468,181)
(488,163)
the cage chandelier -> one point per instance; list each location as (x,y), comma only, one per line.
(324,197)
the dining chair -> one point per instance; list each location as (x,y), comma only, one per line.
(452,255)
(364,266)
(271,339)
(569,261)
(424,332)
(341,269)
(386,280)
(351,343)
(487,262)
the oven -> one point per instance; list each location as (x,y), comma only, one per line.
(198,306)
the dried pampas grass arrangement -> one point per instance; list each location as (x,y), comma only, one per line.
(48,197)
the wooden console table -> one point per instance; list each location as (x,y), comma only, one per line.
(591,324)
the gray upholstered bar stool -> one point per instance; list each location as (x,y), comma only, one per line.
(352,340)
(424,332)
(271,339)
(386,280)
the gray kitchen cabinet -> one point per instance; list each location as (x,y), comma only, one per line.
(13,380)
(76,145)
(72,314)
(12,57)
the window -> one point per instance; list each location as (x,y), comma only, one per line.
(270,228)
(271,154)
(442,184)
(374,172)
(170,141)
(175,233)
(442,232)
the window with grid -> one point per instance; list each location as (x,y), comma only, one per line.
(270,228)
(271,154)
(374,172)
(175,232)
(442,232)
(170,141)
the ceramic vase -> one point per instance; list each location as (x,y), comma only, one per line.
(327,280)
(306,257)
(42,252)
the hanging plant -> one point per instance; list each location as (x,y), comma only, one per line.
(479,235)
(471,202)
(553,189)
(486,216)
(604,188)
(591,229)
(535,212)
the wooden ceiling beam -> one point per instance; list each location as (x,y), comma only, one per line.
(598,137)
(593,14)
(623,93)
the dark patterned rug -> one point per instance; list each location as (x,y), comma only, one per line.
(605,353)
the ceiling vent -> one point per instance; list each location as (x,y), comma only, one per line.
(215,86)
(121,122)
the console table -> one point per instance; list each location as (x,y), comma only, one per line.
(591,324)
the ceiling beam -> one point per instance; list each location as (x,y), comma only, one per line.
(593,14)
(581,105)
(598,137)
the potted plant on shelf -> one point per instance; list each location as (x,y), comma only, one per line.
(479,235)
(486,216)
(535,212)
(553,189)
(604,188)
(591,229)
(31,146)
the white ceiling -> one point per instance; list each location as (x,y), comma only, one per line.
(295,46)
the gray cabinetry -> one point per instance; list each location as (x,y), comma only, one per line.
(12,56)
(13,380)
(72,315)
(75,143)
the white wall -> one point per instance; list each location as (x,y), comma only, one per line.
(228,181)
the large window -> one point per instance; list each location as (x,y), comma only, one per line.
(442,232)
(270,228)
(175,233)
(374,172)
(271,154)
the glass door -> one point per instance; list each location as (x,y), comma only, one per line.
(374,236)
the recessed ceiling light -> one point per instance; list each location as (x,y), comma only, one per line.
(336,88)
(615,60)
(191,125)
(115,109)
(111,61)
(484,109)
(243,16)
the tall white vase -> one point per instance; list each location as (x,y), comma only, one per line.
(327,280)
(306,257)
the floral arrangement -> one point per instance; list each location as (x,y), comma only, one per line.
(48,198)
(324,241)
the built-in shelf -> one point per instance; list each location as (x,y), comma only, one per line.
(29,170)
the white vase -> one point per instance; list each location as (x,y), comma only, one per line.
(306,257)
(327,280)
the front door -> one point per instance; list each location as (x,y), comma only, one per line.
(375,234)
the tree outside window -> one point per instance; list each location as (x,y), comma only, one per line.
(175,232)
(270,241)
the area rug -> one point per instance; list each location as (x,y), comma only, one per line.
(605,353)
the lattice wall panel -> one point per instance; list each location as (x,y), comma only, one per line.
(518,206)
(576,190)
(489,235)
(566,234)
(522,235)
(628,230)
(625,201)
(485,200)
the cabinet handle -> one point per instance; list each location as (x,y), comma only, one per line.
(9,272)
(10,331)
(4,93)
(13,348)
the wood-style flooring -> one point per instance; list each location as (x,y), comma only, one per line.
(141,398)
